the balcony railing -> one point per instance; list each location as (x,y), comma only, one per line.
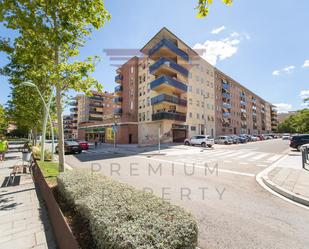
(118,100)
(171,99)
(171,46)
(98,98)
(226,95)
(96,112)
(242,102)
(169,63)
(118,111)
(227,105)
(95,119)
(226,86)
(118,88)
(169,116)
(118,78)
(226,114)
(170,81)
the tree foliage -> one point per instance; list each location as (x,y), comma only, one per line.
(3,120)
(296,123)
(203,7)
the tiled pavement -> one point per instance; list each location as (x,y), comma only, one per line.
(23,218)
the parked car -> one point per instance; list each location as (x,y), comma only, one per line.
(267,137)
(299,140)
(286,136)
(71,147)
(255,138)
(223,140)
(203,140)
(261,137)
(235,139)
(244,138)
(83,144)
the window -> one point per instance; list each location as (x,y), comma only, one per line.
(132,69)
(190,101)
(203,104)
(197,103)
(131,105)
(144,117)
(190,114)
(140,117)
(198,116)
(193,128)
(148,101)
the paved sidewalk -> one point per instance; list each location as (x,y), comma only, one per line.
(23,218)
(289,178)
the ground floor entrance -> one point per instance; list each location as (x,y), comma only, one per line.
(179,133)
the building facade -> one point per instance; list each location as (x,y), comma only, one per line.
(171,93)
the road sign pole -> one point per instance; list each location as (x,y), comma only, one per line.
(159,138)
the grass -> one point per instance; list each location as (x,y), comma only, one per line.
(50,171)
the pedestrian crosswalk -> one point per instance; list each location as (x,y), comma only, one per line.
(244,157)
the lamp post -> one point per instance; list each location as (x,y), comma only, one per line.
(46,117)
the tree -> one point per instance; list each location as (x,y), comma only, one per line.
(203,7)
(61,27)
(3,120)
(296,123)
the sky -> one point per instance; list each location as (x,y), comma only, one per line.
(264,45)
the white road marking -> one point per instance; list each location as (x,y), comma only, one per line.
(244,163)
(273,158)
(246,155)
(262,165)
(199,166)
(259,156)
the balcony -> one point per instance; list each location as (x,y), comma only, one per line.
(118,111)
(226,105)
(164,66)
(167,98)
(118,78)
(95,104)
(226,86)
(167,48)
(74,109)
(96,112)
(243,103)
(170,116)
(118,90)
(166,82)
(242,95)
(98,98)
(226,114)
(226,95)
(74,103)
(95,118)
(118,100)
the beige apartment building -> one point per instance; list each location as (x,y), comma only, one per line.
(171,93)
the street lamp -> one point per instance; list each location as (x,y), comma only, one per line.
(47,116)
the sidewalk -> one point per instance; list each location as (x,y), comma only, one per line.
(23,218)
(288,178)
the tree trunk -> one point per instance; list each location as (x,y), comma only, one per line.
(60,129)
(45,113)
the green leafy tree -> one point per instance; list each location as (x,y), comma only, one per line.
(296,123)
(3,120)
(60,28)
(203,7)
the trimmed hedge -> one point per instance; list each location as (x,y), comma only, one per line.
(121,217)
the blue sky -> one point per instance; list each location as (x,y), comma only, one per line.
(261,44)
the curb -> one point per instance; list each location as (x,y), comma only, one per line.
(264,181)
(286,193)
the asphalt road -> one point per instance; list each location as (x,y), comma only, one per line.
(218,187)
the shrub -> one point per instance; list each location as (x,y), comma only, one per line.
(121,217)
(36,151)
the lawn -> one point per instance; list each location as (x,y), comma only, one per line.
(50,171)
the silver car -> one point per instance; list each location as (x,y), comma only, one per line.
(203,140)
(223,140)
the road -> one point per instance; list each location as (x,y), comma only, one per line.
(218,187)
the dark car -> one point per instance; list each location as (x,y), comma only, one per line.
(299,140)
(71,147)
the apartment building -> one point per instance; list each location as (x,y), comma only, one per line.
(69,128)
(239,110)
(89,111)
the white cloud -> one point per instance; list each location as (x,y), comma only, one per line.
(283,108)
(218,30)
(276,72)
(306,63)
(287,69)
(304,94)
(214,50)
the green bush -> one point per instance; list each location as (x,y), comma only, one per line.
(121,217)
(36,151)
